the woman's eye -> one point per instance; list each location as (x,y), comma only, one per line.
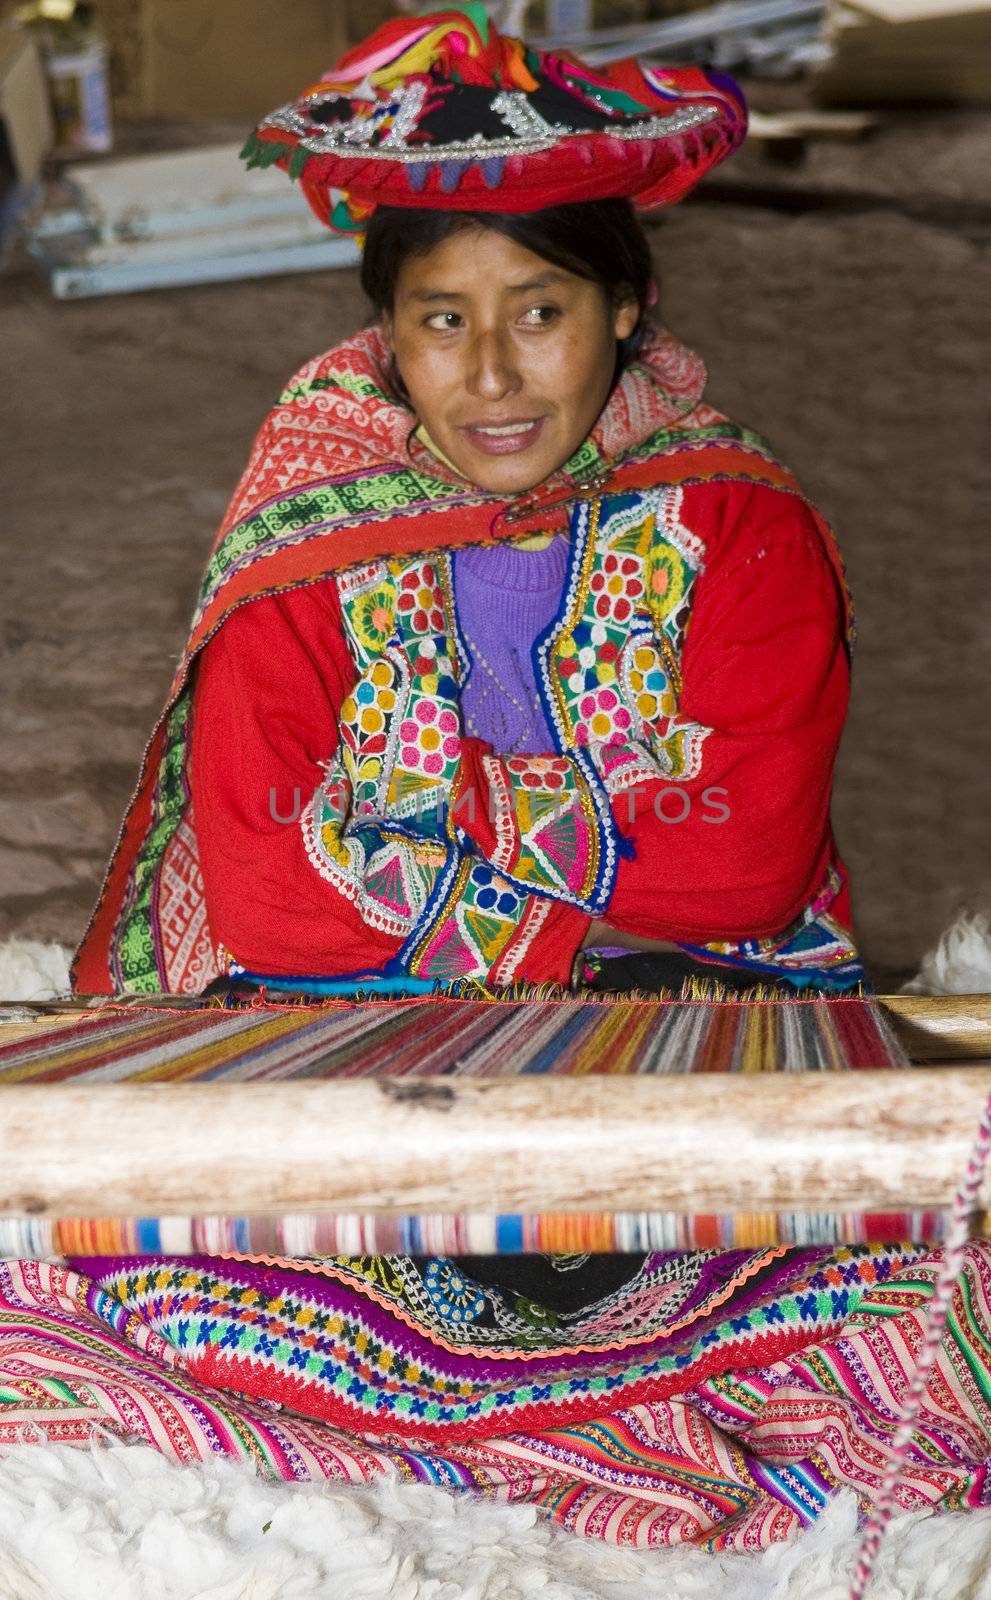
(537,316)
(545,314)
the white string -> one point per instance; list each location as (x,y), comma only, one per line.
(934,1325)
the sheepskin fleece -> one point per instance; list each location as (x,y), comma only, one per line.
(961,962)
(120,1521)
(30,970)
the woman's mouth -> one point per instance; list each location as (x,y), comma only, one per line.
(506,438)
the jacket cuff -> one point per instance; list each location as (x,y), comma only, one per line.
(551,956)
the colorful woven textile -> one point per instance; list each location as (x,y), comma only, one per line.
(438,1036)
(755,1385)
(442,1036)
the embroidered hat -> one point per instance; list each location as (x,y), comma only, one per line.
(442,111)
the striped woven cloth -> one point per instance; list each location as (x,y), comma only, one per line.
(754,1386)
(435,1036)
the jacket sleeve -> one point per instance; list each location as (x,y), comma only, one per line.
(265,709)
(738,849)
(267,700)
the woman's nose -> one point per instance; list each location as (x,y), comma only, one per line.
(492,369)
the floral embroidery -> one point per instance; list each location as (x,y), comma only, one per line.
(429,732)
(364,723)
(648,684)
(373,617)
(429,738)
(456,1297)
(665,581)
(368,607)
(611,676)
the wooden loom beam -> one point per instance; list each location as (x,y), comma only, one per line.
(941,1027)
(875,1141)
(695,1144)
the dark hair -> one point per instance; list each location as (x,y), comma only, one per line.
(601,240)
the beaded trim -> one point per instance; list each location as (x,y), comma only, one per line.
(525,120)
(531,133)
(412,103)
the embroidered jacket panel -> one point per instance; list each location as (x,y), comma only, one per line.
(696,679)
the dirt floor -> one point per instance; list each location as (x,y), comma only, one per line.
(837,302)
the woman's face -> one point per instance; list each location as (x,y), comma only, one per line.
(507,359)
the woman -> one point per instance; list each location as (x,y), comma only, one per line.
(513,650)
(437,749)
(704,820)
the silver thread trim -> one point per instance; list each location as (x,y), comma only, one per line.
(411,103)
(345,142)
(525,121)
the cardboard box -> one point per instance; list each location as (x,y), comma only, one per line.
(25,114)
(907,52)
(226,59)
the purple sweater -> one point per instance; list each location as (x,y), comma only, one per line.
(505,598)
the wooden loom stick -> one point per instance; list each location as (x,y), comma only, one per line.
(864,1141)
(941,1027)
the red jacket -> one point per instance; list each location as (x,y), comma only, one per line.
(748,842)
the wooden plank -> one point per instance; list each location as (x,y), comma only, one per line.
(941,1027)
(846,1141)
(23,1028)
(805,122)
(903,13)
